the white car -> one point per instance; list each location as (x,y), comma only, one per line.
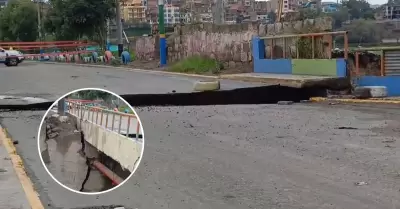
(16,53)
(10,57)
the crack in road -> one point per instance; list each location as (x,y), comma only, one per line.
(251,95)
(89,169)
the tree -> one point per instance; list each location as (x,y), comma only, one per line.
(18,21)
(358,9)
(309,13)
(364,31)
(340,16)
(92,95)
(74,19)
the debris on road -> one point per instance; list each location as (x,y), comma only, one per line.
(346,128)
(305,101)
(389,141)
(102,207)
(362,93)
(206,86)
(2,170)
(63,119)
(15,142)
(55,115)
(361,183)
(285,102)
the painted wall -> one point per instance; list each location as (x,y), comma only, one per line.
(391,83)
(314,67)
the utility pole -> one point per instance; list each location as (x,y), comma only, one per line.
(108,35)
(119,29)
(161,29)
(39,19)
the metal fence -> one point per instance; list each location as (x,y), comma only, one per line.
(377,61)
(121,123)
(303,46)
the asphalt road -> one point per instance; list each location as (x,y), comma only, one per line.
(244,156)
(53,81)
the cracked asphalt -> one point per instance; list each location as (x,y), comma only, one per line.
(242,156)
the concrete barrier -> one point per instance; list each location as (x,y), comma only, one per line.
(121,148)
(110,132)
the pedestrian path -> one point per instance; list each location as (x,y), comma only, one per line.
(16,188)
(12,195)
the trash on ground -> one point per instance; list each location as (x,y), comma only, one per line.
(361,183)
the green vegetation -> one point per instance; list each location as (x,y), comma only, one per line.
(197,65)
(123,108)
(116,62)
(91,95)
(76,19)
(62,20)
(18,21)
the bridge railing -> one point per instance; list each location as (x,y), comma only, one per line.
(36,48)
(303,46)
(121,123)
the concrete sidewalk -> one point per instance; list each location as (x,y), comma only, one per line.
(12,194)
(16,190)
(296,81)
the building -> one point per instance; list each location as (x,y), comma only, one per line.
(392,12)
(171,14)
(3,3)
(134,10)
(288,5)
(265,6)
(262,17)
(329,7)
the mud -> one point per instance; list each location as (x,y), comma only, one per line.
(69,157)
(64,159)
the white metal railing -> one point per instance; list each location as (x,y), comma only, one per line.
(121,123)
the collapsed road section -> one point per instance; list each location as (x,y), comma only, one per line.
(90,148)
(251,95)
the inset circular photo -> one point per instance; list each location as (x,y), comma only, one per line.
(90,141)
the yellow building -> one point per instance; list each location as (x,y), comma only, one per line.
(133,11)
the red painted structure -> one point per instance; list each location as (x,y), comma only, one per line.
(35,46)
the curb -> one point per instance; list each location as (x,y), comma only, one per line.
(26,183)
(271,81)
(133,69)
(294,83)
(360,101)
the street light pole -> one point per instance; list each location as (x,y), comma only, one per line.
(161,29)
(119,29)
(38,2)
(39,19)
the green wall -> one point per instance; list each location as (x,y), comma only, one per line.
(318,67)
